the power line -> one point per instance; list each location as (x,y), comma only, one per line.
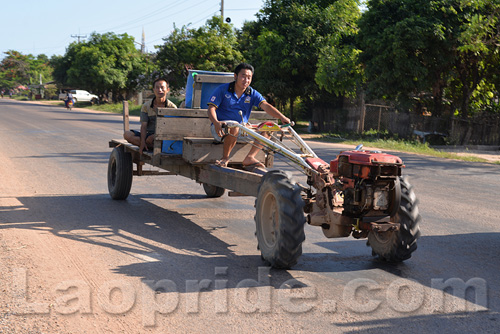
(144,17)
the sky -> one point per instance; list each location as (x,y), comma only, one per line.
(49,26)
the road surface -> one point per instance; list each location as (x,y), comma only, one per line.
(169,260)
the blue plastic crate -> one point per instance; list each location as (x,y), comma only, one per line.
(207,88)
(172,146)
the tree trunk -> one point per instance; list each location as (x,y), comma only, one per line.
(466,93)
(468,134)
(291,108)
(437,96)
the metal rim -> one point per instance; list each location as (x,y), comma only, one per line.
(269,219)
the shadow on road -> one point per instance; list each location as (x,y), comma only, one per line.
(463,322)
(166,244)
(72,157)
(163,244)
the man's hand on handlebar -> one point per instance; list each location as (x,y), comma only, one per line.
(218,128)
(285,120)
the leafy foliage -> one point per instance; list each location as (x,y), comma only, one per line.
(413,49)
(105,63)
(339,69)
(212,47)
(18,69)
(292,43)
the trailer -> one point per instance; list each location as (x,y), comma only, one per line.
(359,193)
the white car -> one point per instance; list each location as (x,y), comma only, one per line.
(80,96)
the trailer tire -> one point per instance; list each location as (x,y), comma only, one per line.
(397,246)
(213,191)
(279,220)
(120,172)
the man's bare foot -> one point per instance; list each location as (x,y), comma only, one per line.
(222,162)
(253,166)
(250,161)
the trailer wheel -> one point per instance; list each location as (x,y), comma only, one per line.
(397,246)
(120,173)
(213,191)
(279,220)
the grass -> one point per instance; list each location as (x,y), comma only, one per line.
(116,108)
(370,140)
(16,97)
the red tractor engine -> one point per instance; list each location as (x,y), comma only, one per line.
(357,193)
(369,182)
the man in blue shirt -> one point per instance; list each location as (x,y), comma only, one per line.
(225,104)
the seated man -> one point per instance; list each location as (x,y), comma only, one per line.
(225,104)
(145,138)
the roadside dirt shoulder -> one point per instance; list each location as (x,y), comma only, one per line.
(491,155)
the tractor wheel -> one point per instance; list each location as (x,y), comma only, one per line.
(120,173)
(279,220)
(213,191)
(397,246)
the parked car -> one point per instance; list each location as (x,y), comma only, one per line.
(80,96)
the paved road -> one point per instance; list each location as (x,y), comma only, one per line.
(74,261)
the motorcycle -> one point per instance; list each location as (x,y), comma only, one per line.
(69,103)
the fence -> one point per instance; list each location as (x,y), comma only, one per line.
(482,130)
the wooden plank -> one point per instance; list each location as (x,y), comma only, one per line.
(203,113)
(196,97)
(119,142)
(169,128)
(169,160)
(182,169)
(222,79)
(240,181)
(184,112)
(126,123)
(151,173)
(237,180)
(157,152)
(132,149)
(204,151)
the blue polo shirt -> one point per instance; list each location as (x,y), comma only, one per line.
(229,105)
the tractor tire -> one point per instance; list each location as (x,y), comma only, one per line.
(213,191)
(120,172)
(397,246)
(279,220)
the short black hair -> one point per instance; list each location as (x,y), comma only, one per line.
(243,66)
(160,79)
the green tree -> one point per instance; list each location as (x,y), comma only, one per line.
(286,43)
(339,69)
(212,47)
(105,63)
(18,69)
(476,70)
(442,49)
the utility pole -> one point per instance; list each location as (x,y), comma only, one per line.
(143,42)
(222,8)
(79,36)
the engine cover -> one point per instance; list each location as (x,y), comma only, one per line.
(366,165)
